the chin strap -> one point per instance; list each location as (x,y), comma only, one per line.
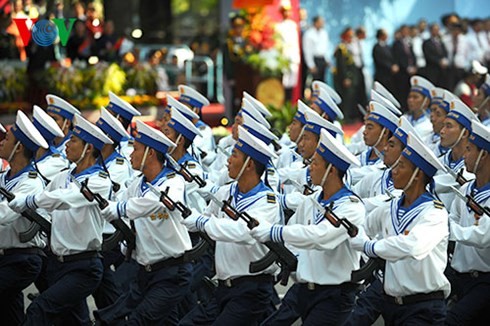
(409,184)
(459,139)
(324,178)
(176,143)
(478,160)
(64,124)
(11,156)
(143,160)
(243,168)
(300,134)
(83,154)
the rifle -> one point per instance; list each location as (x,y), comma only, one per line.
(367,270)
(458,176)
(39,223)
(472,204)
(304,189)
(199,249)
(277,251)
(123,231)
(336,221)
(184,172)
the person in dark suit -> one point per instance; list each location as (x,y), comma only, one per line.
(405,59)
(384,62)
(435,54)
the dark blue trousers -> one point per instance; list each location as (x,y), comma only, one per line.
(431,312)
(64,302)
(473,293)
(369,305)
(17,272)
(109,290)
(152,298)
(244,304)
(287,313)
(326,304)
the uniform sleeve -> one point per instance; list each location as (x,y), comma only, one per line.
(420,241)
(323,236)
(71,197)
(374,221)
(24,187)
(228,230)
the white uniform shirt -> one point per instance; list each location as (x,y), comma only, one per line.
(324,253)
(159,233)
(193,198)
(422,125)
(126,147)
(315,44)
(357,144)
(51,163)
(472,251)
(414,245)
(205,143)
(25,182)
(235,248)
(76,223)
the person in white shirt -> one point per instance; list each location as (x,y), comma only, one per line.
(20,262)
(481,101)
(75,269)
(325,259)
(316,49)
(470,278)
(418,103)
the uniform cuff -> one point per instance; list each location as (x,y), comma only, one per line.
(276,233)
(201,223)
(369,248)
(31,202)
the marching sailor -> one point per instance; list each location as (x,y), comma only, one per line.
(63,113)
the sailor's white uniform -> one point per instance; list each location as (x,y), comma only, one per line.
(51,163)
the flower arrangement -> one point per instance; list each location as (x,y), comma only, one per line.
(12,83)
(258,45)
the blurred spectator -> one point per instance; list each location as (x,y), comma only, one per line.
(458,51)
(79,11)
(357,48)
(435,54)
(94,21)
(477,40)
(385,67)
(58,9)
(422,29)
(107,46)
(78,45)
(289,33)
(347,76)
(417,42)
(316,47)
(30,9)
(18,12)
(8,47)
(155,61)
(405,59)
(467,88)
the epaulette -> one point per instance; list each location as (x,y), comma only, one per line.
(103,174)
(191,165)
(271,171)
(131,142)
(202,127)
(354,199)
(438,204)
(171,175)
(32,174)
(271,198)
(56,155)
(120,161)
(64,169)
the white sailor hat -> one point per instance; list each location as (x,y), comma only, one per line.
(188,113)
(253,147)
(316,85)
(421,85)
(486,85)
(90,133)
(59,106)
(2,128)
(461,113)
(183,125)
(480,135)
(327,104)
(192,97)
(25,132)
(315,123)
(381,115)
(422,156)
(477,68)
(152,137)
(249,108)
(333,151)
(375,96)
(405,128)
(111,126)
(257,129)
(300,113)
(121,108)
(46,125)
(378,87)
(442,97)
(259,106)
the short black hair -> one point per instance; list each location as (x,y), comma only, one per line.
(380,32)
(316,18)
(187,142)
(259,167)
(28,153)
(160,156)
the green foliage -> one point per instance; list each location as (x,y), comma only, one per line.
(281,117)
(13,83)
(142,78)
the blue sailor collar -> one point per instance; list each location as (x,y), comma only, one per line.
(454,165)
(339,197)
(200,124)
(112,157)
(50,151)
(479,194)
(186,158)
(158,179)
(387,181)
(424,116)
(401,217)
(28,168)
(96,168)
(367,160)
(242,201)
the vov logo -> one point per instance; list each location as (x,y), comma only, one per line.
(44,31)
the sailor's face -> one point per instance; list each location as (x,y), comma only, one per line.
(392,150)
(74,148)
(318,167)
(170,132)
(59,121)
(402,172)
(415,101)
(7,145)
(235,163)
(471,155)
(137,155)
(294,130)
(371,133)
(450,132)
(437,116)
(307,145)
